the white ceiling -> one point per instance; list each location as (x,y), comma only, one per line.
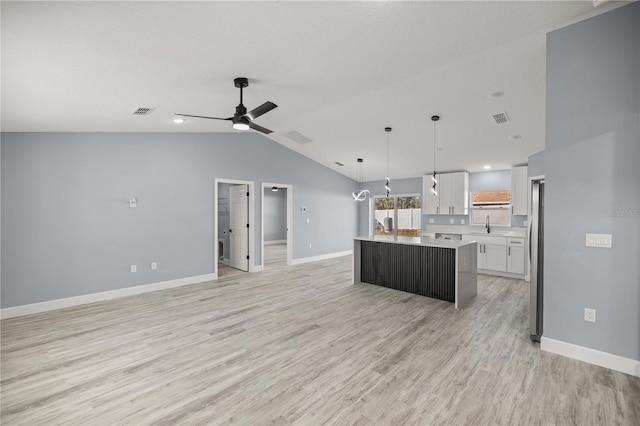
(339,71)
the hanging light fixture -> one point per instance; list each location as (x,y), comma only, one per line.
(388,183)
(434,190)
(359,194)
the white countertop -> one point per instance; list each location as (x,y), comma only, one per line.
(476,231)
(418,241)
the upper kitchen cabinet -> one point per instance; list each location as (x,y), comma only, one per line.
(453,194)
(519,178)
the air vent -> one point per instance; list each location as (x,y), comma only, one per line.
(297,137)
(143,111)
(337,163)
(501,118)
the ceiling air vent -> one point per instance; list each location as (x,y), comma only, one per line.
(143,111)
(297,137)
(501,118)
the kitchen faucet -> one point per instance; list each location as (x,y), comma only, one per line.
(488,224)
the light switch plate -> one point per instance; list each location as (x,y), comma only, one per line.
(599,240)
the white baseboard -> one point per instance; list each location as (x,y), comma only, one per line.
(51,305)
(268,243)
(321,257)
(592,356)
(257,268)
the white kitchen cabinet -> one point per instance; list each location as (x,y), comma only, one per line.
(453,194)
(492,252)
(515,255)
(430,202)
(519,180)
(494,257)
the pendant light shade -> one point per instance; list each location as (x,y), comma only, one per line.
(387,185)
(359,194)
(434,187)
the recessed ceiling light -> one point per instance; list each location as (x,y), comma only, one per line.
(178,120)
(486,167)
(496,95)
(514,137)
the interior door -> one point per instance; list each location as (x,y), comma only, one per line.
(239,226)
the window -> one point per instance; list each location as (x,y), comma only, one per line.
(397,215)
(494,205)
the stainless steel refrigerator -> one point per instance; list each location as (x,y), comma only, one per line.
(536,257)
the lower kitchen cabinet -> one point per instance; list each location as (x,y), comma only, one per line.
(499,254)
(515,255)
(494,258)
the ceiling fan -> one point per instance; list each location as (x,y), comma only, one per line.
(241,119)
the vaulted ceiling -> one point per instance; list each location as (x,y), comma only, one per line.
(340,73)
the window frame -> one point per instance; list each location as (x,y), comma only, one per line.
(395,211)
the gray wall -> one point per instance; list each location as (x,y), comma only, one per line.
(592,175)
(67,228)
(536,165)
(275,214)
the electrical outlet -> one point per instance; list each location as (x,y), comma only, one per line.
(309,245)
(133,268)
(431,220)
(461,221)
(451,221)
(589,314)
(154,265)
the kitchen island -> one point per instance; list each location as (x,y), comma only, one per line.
(441,269)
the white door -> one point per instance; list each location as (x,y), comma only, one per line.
(239,224)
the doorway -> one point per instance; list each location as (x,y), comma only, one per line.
(234,242)
(277,225)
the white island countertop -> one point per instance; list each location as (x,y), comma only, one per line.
(418,241)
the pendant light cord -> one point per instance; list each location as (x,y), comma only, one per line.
(434,191)
(388,182)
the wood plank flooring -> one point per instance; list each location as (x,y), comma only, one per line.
(300,345)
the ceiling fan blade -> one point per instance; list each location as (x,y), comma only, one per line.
(262,109)
(254,126)
(202,116)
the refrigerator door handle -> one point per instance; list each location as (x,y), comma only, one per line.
(529,225)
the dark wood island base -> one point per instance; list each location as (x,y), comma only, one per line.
(440,269)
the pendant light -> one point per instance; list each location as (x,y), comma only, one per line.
(359,194)
(388,183)
(434,190)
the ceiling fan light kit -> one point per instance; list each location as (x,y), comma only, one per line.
(241,119)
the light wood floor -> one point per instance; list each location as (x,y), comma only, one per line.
(300,345)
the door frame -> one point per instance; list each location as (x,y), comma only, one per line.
(289,212)
(252,250)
